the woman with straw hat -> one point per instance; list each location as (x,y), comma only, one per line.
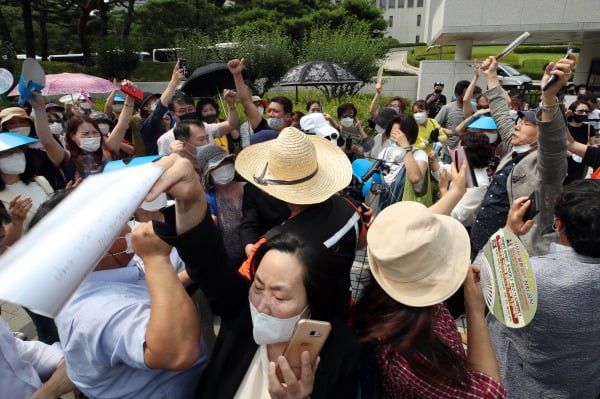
(418,259)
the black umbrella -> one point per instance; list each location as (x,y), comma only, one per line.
(318,73)
(209,81)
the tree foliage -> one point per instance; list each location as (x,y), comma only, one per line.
(116,57)
(350,45)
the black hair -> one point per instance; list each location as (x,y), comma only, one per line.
(311,102)
(180,98)
(318,276)
(206,100)
(182,130)
(460,88)
(408,125)
(345,108)
(477,90)
(5,217)
(478,149)
(573,106)
(578,208)
(285,102)
(32,165)
(48,205)
(421,104)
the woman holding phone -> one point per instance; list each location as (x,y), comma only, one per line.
(291,278)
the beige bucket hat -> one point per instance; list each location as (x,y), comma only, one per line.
(418,257)
(295,167)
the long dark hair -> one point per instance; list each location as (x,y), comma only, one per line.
(409,331)
(72,147)
(32,164)
(318,277)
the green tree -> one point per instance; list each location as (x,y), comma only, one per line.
(116,57)
(350,45)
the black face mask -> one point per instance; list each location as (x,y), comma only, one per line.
(437,91)
(579,118)
(210,118)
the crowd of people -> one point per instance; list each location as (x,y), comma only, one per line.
(259,225)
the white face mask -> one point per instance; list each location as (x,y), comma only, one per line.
(153,106)
(89,144)
(23,130)
(104,129)
(260,109)
(85,105)
(513,114)
(117,107)
(13,164)
(420,117)
(276,123)
(270,330)
(347,122)
(492,136)
(523,148)
(379,129)
(223,175)
(56,128)
(582,91)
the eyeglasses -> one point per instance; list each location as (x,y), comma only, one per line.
(348,116)
(582,111)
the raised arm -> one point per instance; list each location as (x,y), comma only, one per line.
(498,106)
(173,331)
(236,66)
(375,102)
(233,119)
(113,142)
(467,108)
(462,127)
(446,204)
(55,152)
(108,105)
(176,76)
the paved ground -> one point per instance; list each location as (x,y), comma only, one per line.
(396,61)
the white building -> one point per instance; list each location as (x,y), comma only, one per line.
(405,18)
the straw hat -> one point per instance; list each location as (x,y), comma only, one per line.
(295,167)
(418,257)
(13,112)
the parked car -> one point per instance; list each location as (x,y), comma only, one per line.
(510,77)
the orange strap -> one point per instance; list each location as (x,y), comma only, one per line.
(244,269)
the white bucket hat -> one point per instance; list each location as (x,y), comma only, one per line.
(418,257)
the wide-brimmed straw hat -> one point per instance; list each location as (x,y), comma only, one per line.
(295,167)
(418,257)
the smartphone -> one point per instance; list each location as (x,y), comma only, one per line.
(135,93)
(534,207)
(182,62)
(309,335)
(458,156)
(553,79)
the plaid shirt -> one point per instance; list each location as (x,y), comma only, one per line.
(399,381)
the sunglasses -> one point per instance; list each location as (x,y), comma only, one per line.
(438,84)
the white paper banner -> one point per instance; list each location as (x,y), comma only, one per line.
(45,267)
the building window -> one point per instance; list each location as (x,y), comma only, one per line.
(382,3)
(400,3)
(392,4)
(419,20)
(418,39)
(419,3)
(410,4)
(391,21)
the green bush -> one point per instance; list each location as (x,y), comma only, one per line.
(350,45)
(534,68)
(149,71)
(116,58)
(51,67)
(544,49)
(390,42)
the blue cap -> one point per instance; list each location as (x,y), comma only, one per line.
(126,163)
(262,136)
(119,98)
(11,140)
(529,115)
(484,123)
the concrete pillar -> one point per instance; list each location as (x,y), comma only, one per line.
(590,48)
(463,50)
